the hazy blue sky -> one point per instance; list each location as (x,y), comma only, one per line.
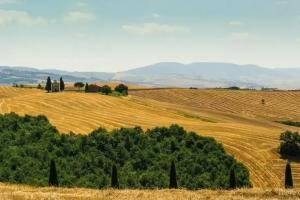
(112,35)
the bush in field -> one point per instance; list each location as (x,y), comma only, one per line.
(106,89)
(290,144)
(121,88)
(27,144)
(79,85)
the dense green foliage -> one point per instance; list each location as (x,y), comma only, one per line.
(28,144)
(290,144)
(288,176)
(121,88)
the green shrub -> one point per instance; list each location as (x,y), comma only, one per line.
(290,144)
(106,89)
(121,88)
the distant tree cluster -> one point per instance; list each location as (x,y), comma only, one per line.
(33,152)
(18,85)
(290,144)
(106,89)
(233,88)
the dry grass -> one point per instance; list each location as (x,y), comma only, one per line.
(19,192)
(235,118)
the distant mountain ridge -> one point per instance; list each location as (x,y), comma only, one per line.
(212,75)
(172,74)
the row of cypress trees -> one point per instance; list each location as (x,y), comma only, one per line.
(53,179)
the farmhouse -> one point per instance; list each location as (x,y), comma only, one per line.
(55,86)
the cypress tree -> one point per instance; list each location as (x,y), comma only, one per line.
(86,88)
(173,179)
(48,84)
(114,177)
(53,180)
(127,143)
(288,176)
(232,179)
(61,84)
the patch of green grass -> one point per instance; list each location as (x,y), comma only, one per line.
(290,123)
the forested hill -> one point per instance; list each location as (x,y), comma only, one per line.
(143,159)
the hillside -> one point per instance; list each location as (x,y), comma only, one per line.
(251,139)
(26,75)
(169,74)
(13,192)
(279,105)
(209,74)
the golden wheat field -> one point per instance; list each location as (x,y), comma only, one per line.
(235,118)
(19,192)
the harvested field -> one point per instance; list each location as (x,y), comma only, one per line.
(235,118)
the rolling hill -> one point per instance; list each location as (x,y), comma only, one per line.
(170,74)
(235,118)
(204,74)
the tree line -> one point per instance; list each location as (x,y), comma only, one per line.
(161,157)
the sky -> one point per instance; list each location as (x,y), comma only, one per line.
(116,35)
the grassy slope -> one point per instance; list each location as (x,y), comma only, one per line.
(229,116)
(16,192)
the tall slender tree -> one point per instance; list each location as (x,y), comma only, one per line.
(232,179)
(288,176)
(127,143)
(53,180)
(61,84)
(48,84)
(114,177)
(86,88)
(173,178)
